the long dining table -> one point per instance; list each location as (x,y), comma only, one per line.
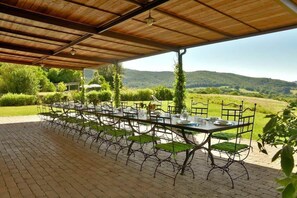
(185,129)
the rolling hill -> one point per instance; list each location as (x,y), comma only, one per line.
(145,79)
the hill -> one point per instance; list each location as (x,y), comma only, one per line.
(143,79)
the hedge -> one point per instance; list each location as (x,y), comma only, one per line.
(17,100)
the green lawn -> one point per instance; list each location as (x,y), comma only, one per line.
(18,111)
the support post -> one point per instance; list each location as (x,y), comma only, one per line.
(180,81)
(117,84)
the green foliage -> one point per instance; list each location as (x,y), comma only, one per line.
(136,95)
(17,100)
(98,79)
(52,98)
(46,85)
(108,71)
(179,88)
(21,80)
(117,82)
(163,93)
(76,96)
(63,75)
(92,97)
(61,87)
(282,130)
(144,94)
(104,95)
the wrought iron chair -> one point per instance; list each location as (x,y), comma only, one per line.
(113,133)
(236,151)
(199,108)
(230,112)
(169,145)
(144,139)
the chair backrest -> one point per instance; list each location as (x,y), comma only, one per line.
(199,108)
(231,111)
(159,115)
(171,109)
(247,120)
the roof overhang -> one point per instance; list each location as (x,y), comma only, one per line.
(43,32)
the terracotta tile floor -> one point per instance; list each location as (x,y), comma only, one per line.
(40,162)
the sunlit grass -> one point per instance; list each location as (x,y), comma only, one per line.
(18,111)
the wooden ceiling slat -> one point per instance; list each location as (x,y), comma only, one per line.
(49,52)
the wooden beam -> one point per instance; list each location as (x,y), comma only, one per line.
(49,52)
(36,16)
(138,40)
(27,14)
(29,57)
(49,38)
(227,15)
(191,22)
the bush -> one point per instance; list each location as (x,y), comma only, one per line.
(61,87)
(136,95)
(92,97)
(144,94)
(163,93)
(76,96)
(47,86)
(17,100)
(52,98)
(104,95)
(128,95)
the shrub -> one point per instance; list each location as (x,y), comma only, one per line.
(163,93)
(136,95)
(76,96)
(144,94)
(17,100)
(128,95)
(52,98)
(92,97)
(104,95)
(47,86)
(61,87)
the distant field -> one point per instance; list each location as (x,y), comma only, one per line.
(294,91)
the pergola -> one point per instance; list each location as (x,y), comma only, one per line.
(86,34)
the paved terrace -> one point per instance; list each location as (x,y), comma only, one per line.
(40,162)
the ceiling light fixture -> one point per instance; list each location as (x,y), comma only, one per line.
(73,51)
(150,20)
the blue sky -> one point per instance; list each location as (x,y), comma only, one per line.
(271,55)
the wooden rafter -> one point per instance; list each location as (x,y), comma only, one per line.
(49,52)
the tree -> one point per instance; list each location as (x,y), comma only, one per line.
(22,80)
(98,79)
(64,75)
(107,71)
(179,87)
(117,82)
(282,130)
